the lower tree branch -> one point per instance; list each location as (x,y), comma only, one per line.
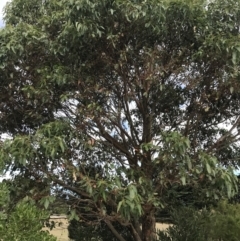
(135,233)
(114,231)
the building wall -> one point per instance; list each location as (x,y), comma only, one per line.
(60,231)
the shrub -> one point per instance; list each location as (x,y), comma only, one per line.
(188,223)
(25,223)
(225,222)
(222,223)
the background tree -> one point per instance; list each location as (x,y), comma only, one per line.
(111,103)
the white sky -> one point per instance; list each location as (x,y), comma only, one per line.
(2,4)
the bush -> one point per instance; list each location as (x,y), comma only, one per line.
(225,222)
(222,223)
(188,224)
(25,223)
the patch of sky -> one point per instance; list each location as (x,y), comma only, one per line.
(2,5)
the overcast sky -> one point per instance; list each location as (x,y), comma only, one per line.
(2,4)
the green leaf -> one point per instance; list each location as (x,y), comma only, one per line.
(131,194)
(208,168)
(139,208)
(53,152)
(73,215)
(234,57)
(119,205)
(229,189)
(61,145)
(46,203)
(183,179)
(111,11)
(189,163)
(104,196)
(130,204)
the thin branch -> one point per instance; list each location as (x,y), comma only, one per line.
(73,189)
(224,137)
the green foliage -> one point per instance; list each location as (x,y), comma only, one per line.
(188,224)
(225,222)
(4,200)
(112,105)
(24,222)
(220,223)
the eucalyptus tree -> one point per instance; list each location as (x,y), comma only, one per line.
(107,104)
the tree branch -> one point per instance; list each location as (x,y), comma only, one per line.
(114,231)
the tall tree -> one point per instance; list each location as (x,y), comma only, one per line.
(109,103)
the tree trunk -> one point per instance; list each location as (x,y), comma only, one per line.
(149,225)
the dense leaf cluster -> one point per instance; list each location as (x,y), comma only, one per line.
(22,222)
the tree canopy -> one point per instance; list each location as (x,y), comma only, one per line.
(108,104)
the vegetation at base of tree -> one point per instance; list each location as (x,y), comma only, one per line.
(188,224)
(219,223)
(185,196)
(225,222)
(81,232)
(24,222)
(113,107)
